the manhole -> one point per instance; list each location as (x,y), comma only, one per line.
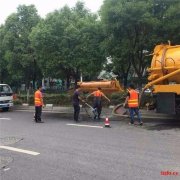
(4,161)
(9,140)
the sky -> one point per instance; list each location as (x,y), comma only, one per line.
(43,6)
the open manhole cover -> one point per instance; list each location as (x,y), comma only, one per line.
(4,161)
(9,140)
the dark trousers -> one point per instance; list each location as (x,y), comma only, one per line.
(76,111)
(97,105)
(134,111)
(38,112)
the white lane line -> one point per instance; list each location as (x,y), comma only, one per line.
(82,125)
(5,119)
(19,150)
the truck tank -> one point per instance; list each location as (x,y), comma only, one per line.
(164,78)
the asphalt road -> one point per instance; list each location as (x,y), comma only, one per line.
(69,152)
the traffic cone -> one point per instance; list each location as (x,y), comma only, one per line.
(107,123)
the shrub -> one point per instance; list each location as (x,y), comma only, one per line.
(118,98)
(56,99)
(17,102)
(66,99)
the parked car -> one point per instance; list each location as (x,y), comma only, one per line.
(6,97)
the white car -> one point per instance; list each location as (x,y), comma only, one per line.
(6,97)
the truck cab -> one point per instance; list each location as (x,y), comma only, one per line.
(6,97)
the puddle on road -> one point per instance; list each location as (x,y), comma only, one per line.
(9,140)
(4,161)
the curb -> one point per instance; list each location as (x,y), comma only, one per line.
(68,113)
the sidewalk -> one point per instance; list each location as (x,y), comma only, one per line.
(106,112)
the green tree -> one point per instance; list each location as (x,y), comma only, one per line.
(3,65)
(167,14)
(129,25)
(68,42)
(19,52)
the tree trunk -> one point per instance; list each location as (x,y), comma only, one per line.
(76,78)
(67,82)
(137,70)
(125,80)
(27,90)
(1,78)
(34,73)
(126,74)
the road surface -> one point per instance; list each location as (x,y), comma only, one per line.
(60,149)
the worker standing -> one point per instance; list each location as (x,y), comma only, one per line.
(38,102)
(98,94)
(76,105)
(132,100)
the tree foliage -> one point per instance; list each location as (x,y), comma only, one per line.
(71,41)
(3,64)
(19,52)
(68,41)
(133,27)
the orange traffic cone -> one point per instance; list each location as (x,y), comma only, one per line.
(107,123)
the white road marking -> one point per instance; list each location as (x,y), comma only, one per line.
(82,125)
(8,119)
(19,150)
(6,169)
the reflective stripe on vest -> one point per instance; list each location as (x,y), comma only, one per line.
(133,99)
(37,98)
(97,93)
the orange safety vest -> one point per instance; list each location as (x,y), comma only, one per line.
(133,99)
(97,93)
(37,98)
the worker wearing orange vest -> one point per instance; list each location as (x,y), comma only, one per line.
(132,100)
(97,101)
(38,102)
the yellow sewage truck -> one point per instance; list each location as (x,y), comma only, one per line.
(164,78)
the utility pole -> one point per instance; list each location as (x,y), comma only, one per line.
(81,78)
